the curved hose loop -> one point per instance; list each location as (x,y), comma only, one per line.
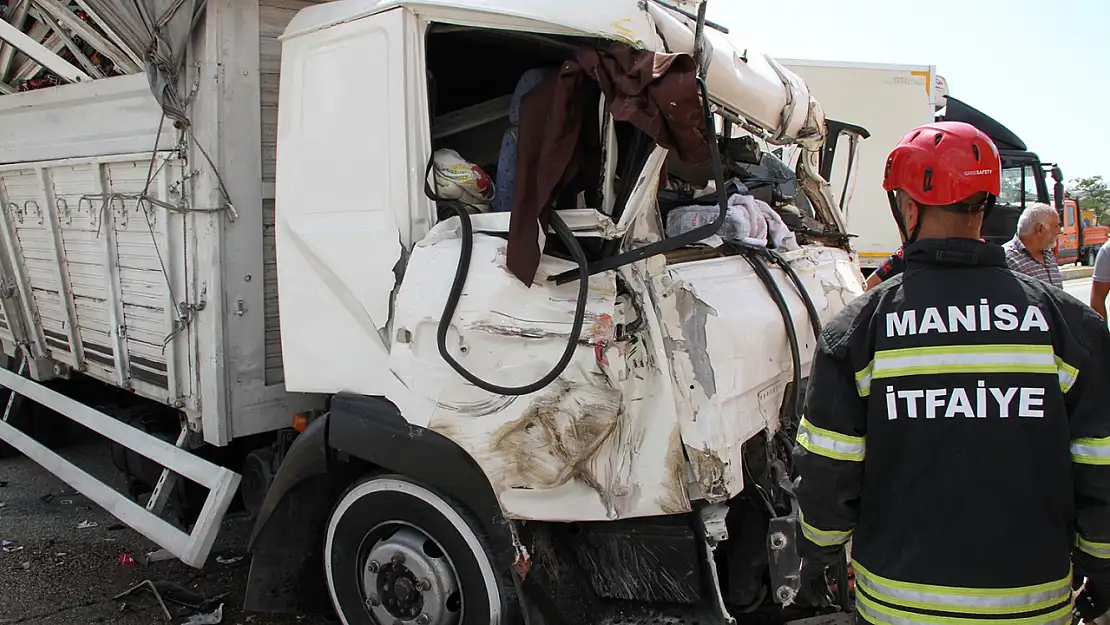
(754,258)
(811,309)
(584,268)
(462,270)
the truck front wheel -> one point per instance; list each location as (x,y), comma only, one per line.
(398,553)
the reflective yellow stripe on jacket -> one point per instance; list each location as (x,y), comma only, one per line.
(884,600)
(1098,550)
(830,444)
(823,538)
(879,614)
(1094,451)
(948,359)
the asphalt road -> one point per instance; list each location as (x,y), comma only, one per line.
(1079,288)
(60,561)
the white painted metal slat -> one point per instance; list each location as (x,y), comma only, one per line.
(144,268)
(191,548)
(26,199)
(14,262)
(40,53)
(83,240)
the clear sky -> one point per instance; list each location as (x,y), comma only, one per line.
(1042,68)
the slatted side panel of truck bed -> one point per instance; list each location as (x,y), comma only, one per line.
(101,269)
(274,15)
(30,233)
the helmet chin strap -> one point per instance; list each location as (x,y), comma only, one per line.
(911,237)
(989,206)
(907,237)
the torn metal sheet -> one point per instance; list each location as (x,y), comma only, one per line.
(17,15)
(588,446)
(729,350)
(642,198)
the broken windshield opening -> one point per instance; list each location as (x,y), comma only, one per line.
(562,123)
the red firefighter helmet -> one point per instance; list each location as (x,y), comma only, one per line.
(944,164)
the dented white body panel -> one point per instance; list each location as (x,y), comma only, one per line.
(576,450)
(678,364)
(610,438)
(729,351)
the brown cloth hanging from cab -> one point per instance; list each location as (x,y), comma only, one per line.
(655,92)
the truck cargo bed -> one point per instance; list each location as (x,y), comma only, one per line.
(173,297)
(100,272)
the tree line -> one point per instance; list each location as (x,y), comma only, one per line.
(1093,193)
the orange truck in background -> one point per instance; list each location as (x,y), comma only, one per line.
(1081,237)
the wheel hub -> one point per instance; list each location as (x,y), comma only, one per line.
(407,579)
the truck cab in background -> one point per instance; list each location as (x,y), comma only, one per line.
(869,108)
(1024,178)
(1082,234)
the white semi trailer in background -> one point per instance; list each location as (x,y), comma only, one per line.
(886,100)
(218,251)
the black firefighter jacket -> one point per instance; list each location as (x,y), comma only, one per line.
(957,429)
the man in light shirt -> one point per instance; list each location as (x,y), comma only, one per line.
(1100,280)
(1030,251)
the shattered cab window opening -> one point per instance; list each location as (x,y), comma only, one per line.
(477,127)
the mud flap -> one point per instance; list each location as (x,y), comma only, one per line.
(191,548)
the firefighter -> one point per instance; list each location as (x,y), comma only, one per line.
(957,424)
(892,266)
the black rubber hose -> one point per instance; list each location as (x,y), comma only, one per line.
(756,261)
(814,320)
(462,270)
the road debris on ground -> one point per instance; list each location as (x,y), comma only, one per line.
(214,617)
(79,587)
(146,559)
(146,583)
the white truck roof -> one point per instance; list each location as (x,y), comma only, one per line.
(748,82)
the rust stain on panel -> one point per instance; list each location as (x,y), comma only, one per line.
(710,471)
(558,437)
(674,499)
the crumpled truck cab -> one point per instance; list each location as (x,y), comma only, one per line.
(645,478)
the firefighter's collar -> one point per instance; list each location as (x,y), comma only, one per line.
(966,252)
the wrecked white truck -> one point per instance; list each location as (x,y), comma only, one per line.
(502,309)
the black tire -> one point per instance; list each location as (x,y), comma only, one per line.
(377,502)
